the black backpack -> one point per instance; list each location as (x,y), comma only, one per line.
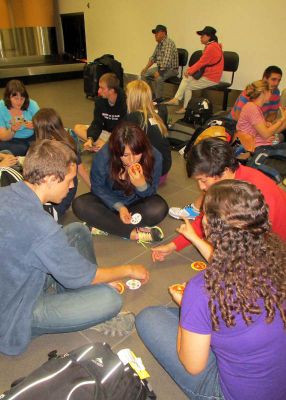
(198,111)
(94,70)
(112,65)
(91,372)
(9,175)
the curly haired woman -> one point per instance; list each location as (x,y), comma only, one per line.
(231,340)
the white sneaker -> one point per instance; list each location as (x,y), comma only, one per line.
(189,212)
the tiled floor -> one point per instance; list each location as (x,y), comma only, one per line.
(68,99)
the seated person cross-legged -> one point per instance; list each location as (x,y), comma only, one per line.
(252,121)
(227,341)
(49,278)
(109,109)
(124,179)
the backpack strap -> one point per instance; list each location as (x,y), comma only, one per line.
(16,175)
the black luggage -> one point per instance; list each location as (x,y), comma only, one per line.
(94,70)
(91,372)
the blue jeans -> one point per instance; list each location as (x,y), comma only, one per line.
(158,328)
(18,147)
(67,310)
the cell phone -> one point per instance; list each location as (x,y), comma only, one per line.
(20,120)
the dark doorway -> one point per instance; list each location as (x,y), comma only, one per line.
(74,35)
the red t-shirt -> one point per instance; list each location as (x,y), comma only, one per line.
(274,196)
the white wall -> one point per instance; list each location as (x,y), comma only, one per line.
(255,29)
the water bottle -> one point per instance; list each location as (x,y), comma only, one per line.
(276,139)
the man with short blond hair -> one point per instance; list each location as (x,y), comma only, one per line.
(109,109)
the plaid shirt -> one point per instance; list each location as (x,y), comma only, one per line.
(166,55)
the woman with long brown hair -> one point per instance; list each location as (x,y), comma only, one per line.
(231,340)
(124,179)
(49,125)
(16,113)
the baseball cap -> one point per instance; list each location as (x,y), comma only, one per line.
(159,28)
(208,30)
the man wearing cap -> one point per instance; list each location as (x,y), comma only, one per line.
(211,61)
(166,57)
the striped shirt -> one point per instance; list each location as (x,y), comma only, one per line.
(271,106)
(166,55)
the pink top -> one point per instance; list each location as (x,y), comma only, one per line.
(251,115)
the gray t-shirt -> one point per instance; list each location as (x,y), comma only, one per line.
(32,245)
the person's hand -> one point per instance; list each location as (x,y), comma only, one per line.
(97,145)
(176,295)
(125,215)
(156,75)
(15,126)
(88,144)
(268,124)
(29,124)
(187,230)
(136,175)
(186,75)
(138,271)
(7,160)
(159,253)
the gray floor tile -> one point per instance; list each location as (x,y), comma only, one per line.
(13,368)
(113,250)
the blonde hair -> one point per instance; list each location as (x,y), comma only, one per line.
(254,89)
(139,98)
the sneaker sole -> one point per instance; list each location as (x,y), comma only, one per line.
(176,217)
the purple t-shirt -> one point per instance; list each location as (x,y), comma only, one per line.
(251,359)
